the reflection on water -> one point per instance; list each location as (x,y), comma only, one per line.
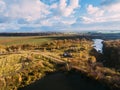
(98,44)
(62,81)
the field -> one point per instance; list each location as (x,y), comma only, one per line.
(7,41)
(23,60)
(36,40)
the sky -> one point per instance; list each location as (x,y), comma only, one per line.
(59,15)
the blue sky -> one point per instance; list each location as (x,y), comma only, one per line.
(59,15)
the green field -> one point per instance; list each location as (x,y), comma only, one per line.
(34,40)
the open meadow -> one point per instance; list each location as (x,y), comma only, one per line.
(23,40)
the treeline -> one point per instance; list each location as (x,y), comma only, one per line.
(30,34)
(91,35)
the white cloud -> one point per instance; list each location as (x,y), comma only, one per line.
(31,11)
(68,21)
(108,13)
(46,22)
(27,9)
(8,26)
(2,6)
(113,8)
(67,10)
(56,20)
(94,11)
(54,6)
(57,14)
(87,19)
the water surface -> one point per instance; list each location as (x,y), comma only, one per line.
(98,45)
(62,81)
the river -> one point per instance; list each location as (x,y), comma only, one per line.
(63,81)
(98,45)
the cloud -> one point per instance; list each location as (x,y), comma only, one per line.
(58,15)
(4,27)
(46,22)
(2,6)
(37,11)
(67,10)
(26,9)
(62,13)
(17,14)
(14,14)
(94,10)
(54,6)
(115,25)
(114,8)
(108,13)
